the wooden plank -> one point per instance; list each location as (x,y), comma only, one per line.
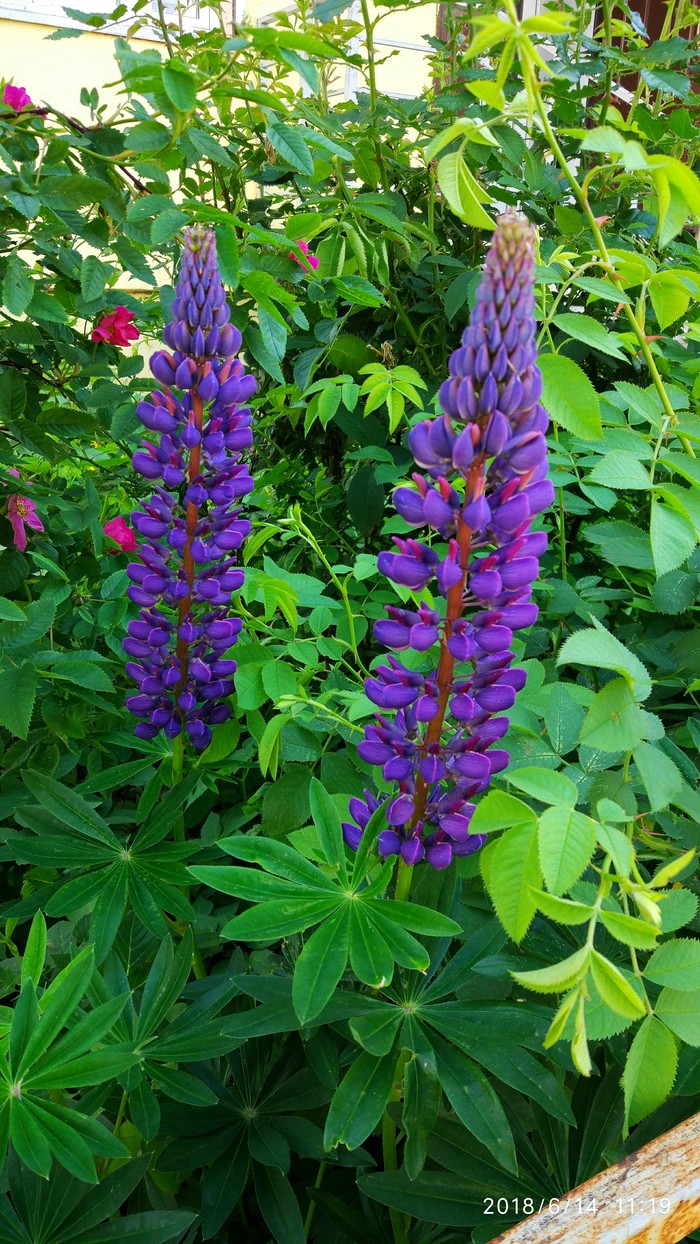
(650,1197)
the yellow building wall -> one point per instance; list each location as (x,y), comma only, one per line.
(403,73)
(53,73)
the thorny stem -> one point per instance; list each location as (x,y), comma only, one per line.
(607,87)
(548,316)
(162,22)
(405,320)
(635,962)
(71,123)
(534,87)
(372,83)
(602,895)
(310,538)
(317,706)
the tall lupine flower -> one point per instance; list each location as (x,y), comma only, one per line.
(191,527)
(485,464)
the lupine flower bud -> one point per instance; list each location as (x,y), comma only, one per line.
(192,525)
(438,746)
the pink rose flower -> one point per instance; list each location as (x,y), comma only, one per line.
(16,97)
(308,261)
(116,328)
(122,534)
(21,511)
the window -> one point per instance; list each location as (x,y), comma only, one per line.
(51,13)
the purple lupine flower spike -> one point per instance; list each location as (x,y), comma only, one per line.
(192,527)
(438,745)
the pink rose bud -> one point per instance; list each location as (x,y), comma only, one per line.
(308,261)
(16,97)
(116,328)
(122,534)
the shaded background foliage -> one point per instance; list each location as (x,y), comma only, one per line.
(200,1099)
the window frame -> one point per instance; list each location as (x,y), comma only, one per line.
(51,13)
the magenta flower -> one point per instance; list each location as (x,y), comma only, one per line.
(21,511)
(16,97)
(116,328)
(308,261)
(121,533)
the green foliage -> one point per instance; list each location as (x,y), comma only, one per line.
(285,1046)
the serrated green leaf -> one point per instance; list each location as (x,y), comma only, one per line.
(614,988)
(650,1070)
(10,611)
(93,278)
(462,192)
(511,869)
(680,1011)
(180,86)
(559,977)
(563,910)
(569,396)
(591,332)
(17,695)
(544,784)
(289,143)
(620,469)
(597,648)
(669,296)
(676,964)
(613,723)
(567,841)
(661,777)
(497,810)
(629,929)
(673,537)
(618,846)
(17,286)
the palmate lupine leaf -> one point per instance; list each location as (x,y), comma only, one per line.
(292,894)
(39,1058)
(142,870)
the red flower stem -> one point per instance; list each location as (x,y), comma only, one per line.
(191,519)
(474,486)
